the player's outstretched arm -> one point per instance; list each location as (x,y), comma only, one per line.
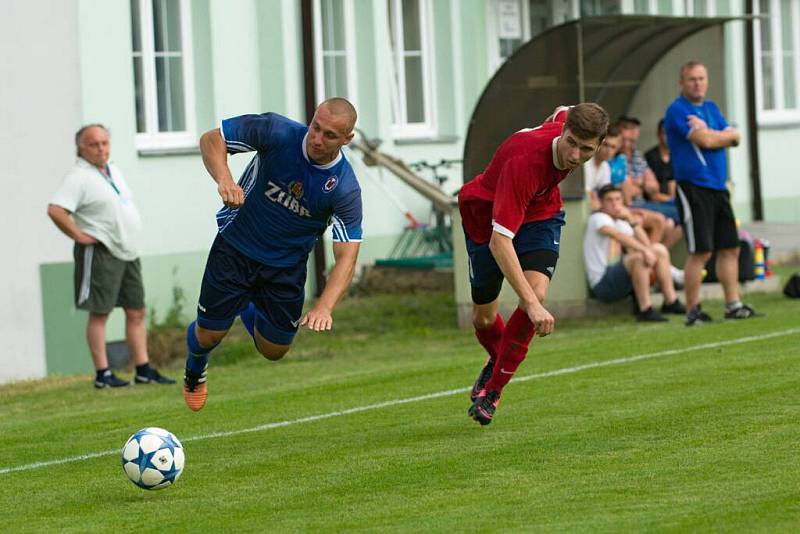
(319,318)
(215,158)
(504,254)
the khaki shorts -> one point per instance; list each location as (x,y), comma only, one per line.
(103,282)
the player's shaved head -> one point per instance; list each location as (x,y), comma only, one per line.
(341,106)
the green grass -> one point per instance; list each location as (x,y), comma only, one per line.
(692,441)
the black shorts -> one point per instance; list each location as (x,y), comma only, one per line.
(232,281)
(707,218)
(537,247)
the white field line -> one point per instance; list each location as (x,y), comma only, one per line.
(438,394)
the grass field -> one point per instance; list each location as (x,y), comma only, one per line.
(621,427)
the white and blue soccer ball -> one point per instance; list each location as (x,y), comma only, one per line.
(153,458)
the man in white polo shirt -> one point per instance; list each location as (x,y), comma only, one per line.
(94,207)
(619,258)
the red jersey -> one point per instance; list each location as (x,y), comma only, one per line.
(520,184)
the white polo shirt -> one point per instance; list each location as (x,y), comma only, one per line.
(598,252)
(102,207)
(596,176)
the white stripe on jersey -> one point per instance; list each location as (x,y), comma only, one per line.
(237,146)
(342,229)
(247,181)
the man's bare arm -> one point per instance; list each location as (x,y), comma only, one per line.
(320,318)
(63,219)
(215,159)
(633,242)
(713,139)
(502,249)
(710,139)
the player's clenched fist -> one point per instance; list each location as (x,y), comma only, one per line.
(232,195)
(543,322)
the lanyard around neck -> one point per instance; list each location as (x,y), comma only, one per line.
(109,179)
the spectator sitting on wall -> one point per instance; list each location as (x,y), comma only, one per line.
(658,225)
(661,188)
(619,258)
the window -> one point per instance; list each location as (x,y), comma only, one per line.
(600,7)
(689,8)
(412,58)
(543,14)
(509,28)
(334,39)
(162,74)
(778,60)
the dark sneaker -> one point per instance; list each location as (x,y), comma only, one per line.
(195,391)
(153,377)
(742,312)
(482,410)
(486,374)
(696,316)
(676,308)
(110,380)
(650,316)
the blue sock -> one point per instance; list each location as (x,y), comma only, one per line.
(248,317)
(197,359)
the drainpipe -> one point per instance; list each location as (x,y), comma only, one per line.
(307,16)
(752,124)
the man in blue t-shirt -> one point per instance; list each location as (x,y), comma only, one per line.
(697,135)
(297,184)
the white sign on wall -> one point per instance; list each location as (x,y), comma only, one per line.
(509,19)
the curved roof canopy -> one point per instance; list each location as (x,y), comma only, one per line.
(592,59)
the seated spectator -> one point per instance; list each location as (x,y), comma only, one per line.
(658,225)
(597,171)
(660,186)
(619,259)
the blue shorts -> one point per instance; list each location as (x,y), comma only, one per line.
(232,281)
(615,285)
(540,237)
(668,209)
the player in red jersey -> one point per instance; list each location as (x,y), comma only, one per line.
(512,215)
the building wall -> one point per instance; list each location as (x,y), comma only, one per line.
(41,97)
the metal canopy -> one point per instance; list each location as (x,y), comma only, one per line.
(592,59)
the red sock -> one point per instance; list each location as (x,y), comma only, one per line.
(513,349)
(490,337)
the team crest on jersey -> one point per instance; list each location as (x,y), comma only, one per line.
(331,184)
(296,189)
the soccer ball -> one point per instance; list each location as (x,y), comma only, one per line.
(153,458)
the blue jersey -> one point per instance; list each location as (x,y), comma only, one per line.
(690,163)
(289,200)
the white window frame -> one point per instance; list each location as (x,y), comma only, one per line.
(151,138)
(493,50)
(349,52)
(780,115)
(680,8)
(400,128)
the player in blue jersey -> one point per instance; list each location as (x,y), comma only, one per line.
(697,135)
(297,184)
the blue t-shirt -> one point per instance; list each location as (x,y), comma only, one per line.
(690,163)
(289,201)
(619,169)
